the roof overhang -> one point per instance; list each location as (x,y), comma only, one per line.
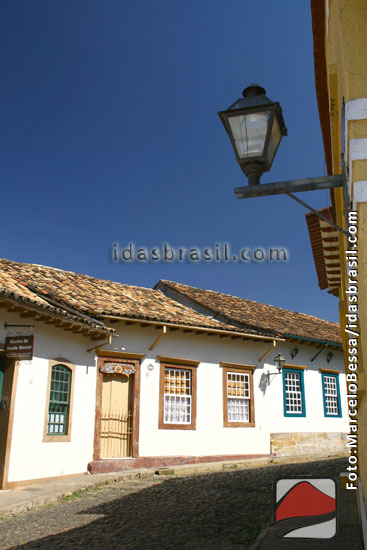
(196,329)
(313,341)
(325,249)
(55,317)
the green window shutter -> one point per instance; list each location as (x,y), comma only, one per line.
(58,410)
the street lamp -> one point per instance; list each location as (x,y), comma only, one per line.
(279,362)
(255,127)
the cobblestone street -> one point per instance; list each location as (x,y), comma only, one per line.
(225,511)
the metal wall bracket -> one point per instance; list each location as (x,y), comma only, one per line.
(290,186)
(296,186)
(318,214)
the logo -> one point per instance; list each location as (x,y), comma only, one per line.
(305,508)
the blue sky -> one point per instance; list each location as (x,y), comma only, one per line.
(110,134)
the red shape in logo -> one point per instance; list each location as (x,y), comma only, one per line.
(304,499)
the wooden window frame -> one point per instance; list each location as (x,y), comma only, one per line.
(181,365)
(245,369)
(67,437)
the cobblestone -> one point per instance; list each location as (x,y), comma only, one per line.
(220,511)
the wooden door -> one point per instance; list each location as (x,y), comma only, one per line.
(115,435)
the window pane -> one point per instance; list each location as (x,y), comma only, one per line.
(238,410)
(59,400)
(238,397)
(293,392)
(177,396)
(238,385)
(274,140)
(249,133)
(177,410)
(331,395)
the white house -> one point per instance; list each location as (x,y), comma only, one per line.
(123,376)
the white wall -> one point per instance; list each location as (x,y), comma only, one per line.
(315,420)
(30,457)
(210,437)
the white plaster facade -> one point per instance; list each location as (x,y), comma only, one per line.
(33,458)
(211,437)
(30,456)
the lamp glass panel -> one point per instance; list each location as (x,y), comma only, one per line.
(249,133)
(274,141)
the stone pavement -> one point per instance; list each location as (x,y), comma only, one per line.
(225,510)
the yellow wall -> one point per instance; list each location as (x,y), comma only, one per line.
(346,46)
(346,60)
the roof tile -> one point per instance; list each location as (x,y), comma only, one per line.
(98,297)
(255,315)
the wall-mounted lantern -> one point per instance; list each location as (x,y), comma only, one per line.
(255,126)
(279,362)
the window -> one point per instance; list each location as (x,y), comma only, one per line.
(238,402)
(331,393)
(58,407)
(294,402)
(59,400)
(177,396)
(177,408)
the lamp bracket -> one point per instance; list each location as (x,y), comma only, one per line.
(296,186)
(337,227)
(268,374)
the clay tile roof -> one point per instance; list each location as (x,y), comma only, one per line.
(14,289)
(96,297)
(254,315)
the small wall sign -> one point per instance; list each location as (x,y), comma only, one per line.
(19,348)
(112,367)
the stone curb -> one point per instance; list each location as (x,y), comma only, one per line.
(76,484)
(73,487)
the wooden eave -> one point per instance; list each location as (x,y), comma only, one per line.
(195,329)
(28,311)
(325,249)
(318,343)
